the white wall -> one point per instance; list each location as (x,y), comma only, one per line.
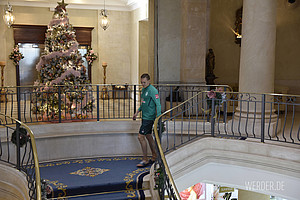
(115,48)
(235,163)
(118,45)
(137,15)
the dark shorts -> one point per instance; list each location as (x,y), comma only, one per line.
(146,127)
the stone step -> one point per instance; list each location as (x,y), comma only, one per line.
(146,181)
(146,186)
(147,195)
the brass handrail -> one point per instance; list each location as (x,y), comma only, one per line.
(164,158)
(158,139)
(156,122)
(159,144)
(230,91)
(35,158)
(187,85)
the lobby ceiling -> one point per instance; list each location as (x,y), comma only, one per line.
(123,5)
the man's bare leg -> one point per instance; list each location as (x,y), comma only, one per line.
(152,146)
(143,143)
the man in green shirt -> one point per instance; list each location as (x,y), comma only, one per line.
(150,108)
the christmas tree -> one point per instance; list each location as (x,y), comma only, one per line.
(61,73)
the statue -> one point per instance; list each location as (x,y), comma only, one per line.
(210,66)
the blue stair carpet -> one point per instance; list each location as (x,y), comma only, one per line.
(113,178)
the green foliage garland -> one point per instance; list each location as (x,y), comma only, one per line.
(90,56)
(16,56)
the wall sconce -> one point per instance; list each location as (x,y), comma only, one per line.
(238,26)
(8,17)
(104,21)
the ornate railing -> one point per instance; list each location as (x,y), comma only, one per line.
(18,148)
(85,102)
(73,103)
(232,115)
(191,111)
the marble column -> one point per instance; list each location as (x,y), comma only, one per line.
(168,40)
(194,34)
(257,64)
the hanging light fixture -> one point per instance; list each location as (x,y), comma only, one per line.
(104,21)
(8,17)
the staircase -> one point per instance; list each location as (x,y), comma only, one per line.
(115,178)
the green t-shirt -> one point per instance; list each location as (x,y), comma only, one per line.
(150,103)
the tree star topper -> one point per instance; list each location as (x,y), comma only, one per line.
(62,4)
